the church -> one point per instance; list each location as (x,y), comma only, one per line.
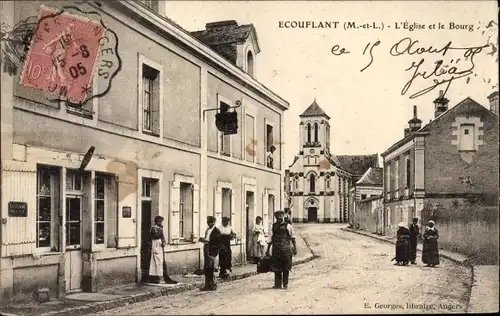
(318,182)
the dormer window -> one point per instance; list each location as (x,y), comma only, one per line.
(250,64)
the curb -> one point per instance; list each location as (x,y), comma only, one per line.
(464,263)
(142,297)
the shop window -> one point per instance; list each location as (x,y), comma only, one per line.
(99,212)
(48,188)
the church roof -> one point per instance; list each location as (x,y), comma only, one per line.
(224,32)
(374,176)
(314,110)
(357,164)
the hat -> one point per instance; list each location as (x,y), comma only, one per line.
(432,222)
(401,224)
(159,218)
(211,219)
(279,212)
(225,219)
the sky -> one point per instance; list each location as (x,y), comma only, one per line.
(367,109)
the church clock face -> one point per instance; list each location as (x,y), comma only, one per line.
(311,151)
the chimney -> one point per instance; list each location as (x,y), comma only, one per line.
(440,104)
(493,98)
(415,123)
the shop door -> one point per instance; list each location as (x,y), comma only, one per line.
(73,255)
(145,238)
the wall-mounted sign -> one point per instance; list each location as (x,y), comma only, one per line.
(126,212)
(18,209)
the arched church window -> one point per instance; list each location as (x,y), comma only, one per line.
(308,132)
(296,182)
(327,182)
(312,183)
(316,132)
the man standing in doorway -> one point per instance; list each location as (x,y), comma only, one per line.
(210,250)
(282,239)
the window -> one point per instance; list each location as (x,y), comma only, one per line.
(150,100)
(312,183)
(316,132)
(47,207)
(388,178)
(74,181)
(467,137)
(327,182)
(226,203)
(225,144)
(396,174)
(270,148)
(408,171)
(186,211)
(296,183)
(363,196)
(73,220)
(308,132)
(99,212)
(251,142)
(150,4)
(250,64)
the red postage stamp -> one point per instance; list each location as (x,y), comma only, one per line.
(63,54)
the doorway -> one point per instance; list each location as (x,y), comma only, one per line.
(74,260)
(250,217)
(312,214)
(145,238)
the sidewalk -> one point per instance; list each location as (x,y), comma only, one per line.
(88,303)
(484,292)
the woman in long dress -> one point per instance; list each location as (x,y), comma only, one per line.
(258,240)
(430,251)
(403,247)
(225,253)
(157,244)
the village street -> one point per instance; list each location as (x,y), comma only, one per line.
(354,274)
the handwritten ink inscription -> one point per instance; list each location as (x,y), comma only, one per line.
(441,72)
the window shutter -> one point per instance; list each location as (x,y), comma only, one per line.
(175,195)
(218,205)
(233,207)
(155,106)
(196,211)
(111,211)
(19,185)
(265,211)
(126,226)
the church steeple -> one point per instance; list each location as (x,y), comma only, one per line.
(315,129)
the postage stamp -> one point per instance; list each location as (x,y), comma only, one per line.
(63,54)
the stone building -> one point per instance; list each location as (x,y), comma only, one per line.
(454,157)
(368,188)
(156,151)
(319,181)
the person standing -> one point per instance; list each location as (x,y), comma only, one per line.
(282,240)
(403,251)
(258,241)
(211,249)
(225,253)
(157,255)
(430,251)
(414,234)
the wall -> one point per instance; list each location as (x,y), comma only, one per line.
(469,229)
(442,176)
(264,115)
(367,215)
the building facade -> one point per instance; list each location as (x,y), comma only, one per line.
(367,189)
(154,149)
(453,158)
(319,181)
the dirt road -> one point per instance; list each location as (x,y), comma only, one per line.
(353,275)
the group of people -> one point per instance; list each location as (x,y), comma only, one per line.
(406,244)
(281,239)
(217,245)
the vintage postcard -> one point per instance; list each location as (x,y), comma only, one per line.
(249,157)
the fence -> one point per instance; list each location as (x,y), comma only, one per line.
(469,229)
